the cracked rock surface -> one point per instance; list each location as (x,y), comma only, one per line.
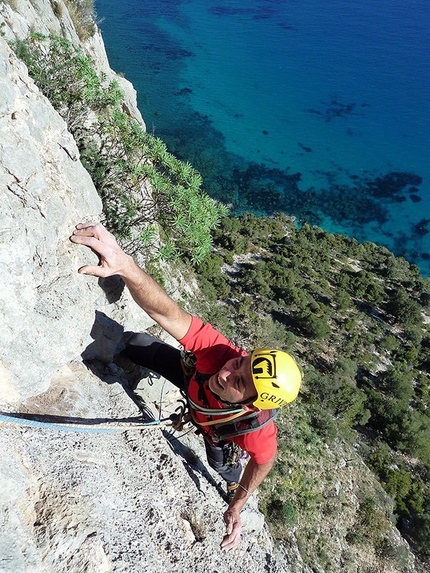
(137,500)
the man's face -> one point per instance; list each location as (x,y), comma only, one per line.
(233,383)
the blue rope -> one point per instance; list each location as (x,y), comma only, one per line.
(94,427)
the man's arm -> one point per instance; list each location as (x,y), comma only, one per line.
(252,477)
(144,289)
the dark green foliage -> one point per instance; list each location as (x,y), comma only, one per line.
(312,325)
(341,399)
(389,343)
(352,314)
(405,309)
(342,299)
(281,513)
(397,382)
(422,533)
(409,491)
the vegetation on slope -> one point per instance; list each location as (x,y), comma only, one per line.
(357,318)
(143,187)
(82,15)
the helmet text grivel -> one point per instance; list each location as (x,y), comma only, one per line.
(276,377)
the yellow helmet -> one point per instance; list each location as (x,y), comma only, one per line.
(276,377)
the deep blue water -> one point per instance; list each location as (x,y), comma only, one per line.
(315,108)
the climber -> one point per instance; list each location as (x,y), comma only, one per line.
(233,396)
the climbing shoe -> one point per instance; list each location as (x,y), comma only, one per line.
(231,491)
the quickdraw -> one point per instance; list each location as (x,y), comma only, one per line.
(183,417)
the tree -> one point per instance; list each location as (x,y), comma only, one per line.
(313,326)
(342,299)
(398,382)
(405,309)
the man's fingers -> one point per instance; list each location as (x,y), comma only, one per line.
(81,226)
(89,226)
(230,541)
(92,230)
(233,531)
(93,242)
(91,270)
(228,523)
(103,244)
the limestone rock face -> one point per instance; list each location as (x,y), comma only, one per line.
(20,17)
(48,310)
(85,501)
(46,307)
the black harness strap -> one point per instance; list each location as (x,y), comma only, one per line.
(245,425)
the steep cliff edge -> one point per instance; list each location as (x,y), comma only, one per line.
(87,501)
(44,191)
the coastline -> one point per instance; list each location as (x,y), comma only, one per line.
(204,110)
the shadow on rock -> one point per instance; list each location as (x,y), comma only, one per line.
(192,463)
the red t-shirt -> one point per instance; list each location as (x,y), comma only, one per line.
(212,350)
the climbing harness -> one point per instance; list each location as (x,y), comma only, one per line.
(83,424)
(214,411)
(233,454)
(245,425)
(233,414)
(237,424)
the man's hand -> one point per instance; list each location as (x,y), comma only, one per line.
(112,259)
(146,292)
(252,477)
(233,529)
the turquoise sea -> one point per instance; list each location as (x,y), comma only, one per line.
(316,108)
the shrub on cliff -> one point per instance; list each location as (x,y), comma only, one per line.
(364,347)
(139,181)
(82,15)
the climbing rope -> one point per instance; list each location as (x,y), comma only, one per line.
(82,424)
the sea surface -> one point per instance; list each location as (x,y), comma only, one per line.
(317,108)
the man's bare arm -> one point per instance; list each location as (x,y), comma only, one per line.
(252,477)
(144,289)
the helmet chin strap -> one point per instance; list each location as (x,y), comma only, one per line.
(247,401)
(243,403)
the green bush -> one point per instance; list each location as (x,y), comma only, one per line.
(282,514)
(313,326)
(139,181)
(342,299)
(398,382)
(422,533)
(405,309)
